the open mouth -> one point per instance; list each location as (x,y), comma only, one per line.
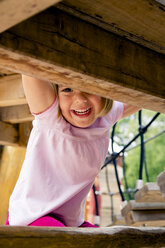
(82,113)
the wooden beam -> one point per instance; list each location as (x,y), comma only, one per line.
(11,91)
(140,21)
(8,134)
(62,48)
(13,12)
(31,237)
(16,114)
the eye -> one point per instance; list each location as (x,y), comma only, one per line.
(67,90)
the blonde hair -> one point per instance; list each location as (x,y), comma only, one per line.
(106,104)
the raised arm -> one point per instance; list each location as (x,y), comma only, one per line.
(39,94)
(129,110)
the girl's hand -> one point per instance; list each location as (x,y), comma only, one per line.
(39,93)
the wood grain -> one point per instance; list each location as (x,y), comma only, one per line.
(53,46)
(16,114)
(11,164)
(149,193)
(8,134)
(141,21)
(116,237)
(13,12)
(11,91)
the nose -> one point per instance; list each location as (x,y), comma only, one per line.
(80,96)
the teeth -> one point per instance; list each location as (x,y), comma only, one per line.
(82,112)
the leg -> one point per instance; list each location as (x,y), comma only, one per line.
(47,220)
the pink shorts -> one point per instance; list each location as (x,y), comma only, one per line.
(51,220)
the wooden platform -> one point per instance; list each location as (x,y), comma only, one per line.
(161,182)
(148,208)
(115,237)
(144,213)
(149,193)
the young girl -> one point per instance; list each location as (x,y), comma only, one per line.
(66,149)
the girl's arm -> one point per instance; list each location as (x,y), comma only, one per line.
(129,110)
(39,93)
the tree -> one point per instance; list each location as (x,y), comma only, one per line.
(126,129)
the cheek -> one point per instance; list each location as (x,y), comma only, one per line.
(98,103)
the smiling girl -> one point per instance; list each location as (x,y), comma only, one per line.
(66,149)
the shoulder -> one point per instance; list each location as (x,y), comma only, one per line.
(116,112)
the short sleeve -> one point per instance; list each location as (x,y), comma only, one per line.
(116,112)
(49,116)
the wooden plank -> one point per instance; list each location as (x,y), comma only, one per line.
(149,193)
(116,237)
(8,134)
(118,220)
(16,114)
(24,133)
(133,205)
(161,182)
(11,91)
(13,12)
(140,21)
(146,218)
(53,46)
(11,163)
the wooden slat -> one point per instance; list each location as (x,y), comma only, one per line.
(133,205)
(16,114)
(140,21)
(146,218)
(11,91)
(161,182)
(24,133)
(54,46)
(11,163)
(8,134)
(149,193)
(144,213)
(13,12)
(116,237)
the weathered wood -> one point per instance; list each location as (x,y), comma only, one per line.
(8,134)
(5,72)
(133,205)
(150,192)
(145,218)
(13,12)
(118,220)
(54,46)
(16,114)
(11,91)
(24,133)
(116,237)
(140,21)
(11,164)
(161,182)
(144,213)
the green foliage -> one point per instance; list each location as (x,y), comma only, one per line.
(126,129)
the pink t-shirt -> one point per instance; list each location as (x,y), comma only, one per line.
(60,166)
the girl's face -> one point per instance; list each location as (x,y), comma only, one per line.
(79,108)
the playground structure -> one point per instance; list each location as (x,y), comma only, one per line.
(111,48)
